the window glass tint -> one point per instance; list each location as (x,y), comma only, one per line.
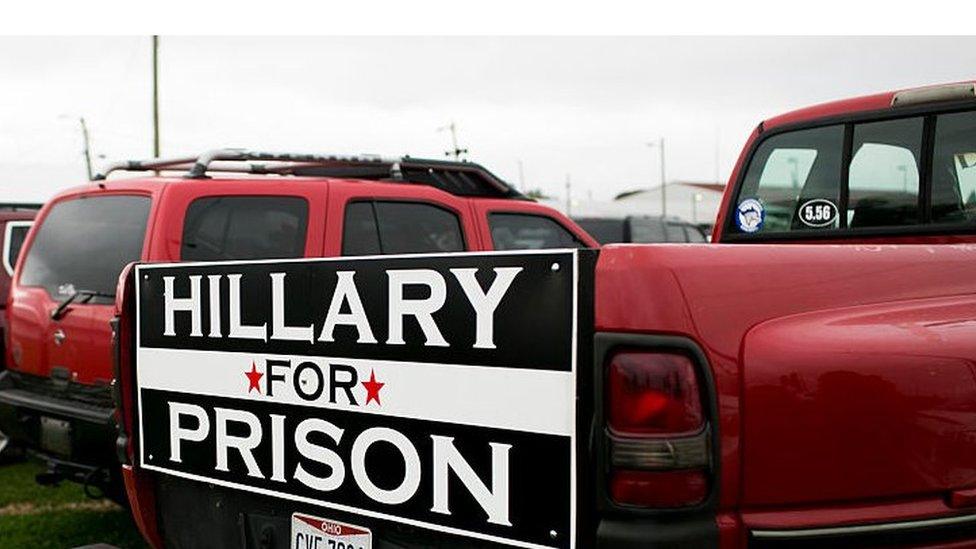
(84,243)
(399,228)
(244,227)
(646,230)
(789,170)
(16,233)
(411,227)
(359,233)
(884,173)
(604,230)
(954,169)
(528,232)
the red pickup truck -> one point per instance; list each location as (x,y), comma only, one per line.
(807,380)
(56,396)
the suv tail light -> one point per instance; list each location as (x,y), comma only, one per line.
(657,431)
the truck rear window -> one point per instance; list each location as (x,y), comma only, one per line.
(84,243)
(882,176)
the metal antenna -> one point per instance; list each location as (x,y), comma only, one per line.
(569,196)
(85,138)
(455,151)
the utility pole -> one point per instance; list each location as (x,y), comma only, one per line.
(455,151)
(664,187)
(155,94)
(718,139)
(87,141)
(569,196)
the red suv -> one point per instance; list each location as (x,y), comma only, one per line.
(56,397)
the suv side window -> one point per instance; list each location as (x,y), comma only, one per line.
(244,227)
(518,231)
(389,227)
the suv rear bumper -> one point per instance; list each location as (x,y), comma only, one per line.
(87,429)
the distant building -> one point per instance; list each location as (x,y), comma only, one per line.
(696,202)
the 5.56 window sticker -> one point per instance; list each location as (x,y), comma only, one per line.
(818,213)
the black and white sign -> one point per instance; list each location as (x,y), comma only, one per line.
(435,391)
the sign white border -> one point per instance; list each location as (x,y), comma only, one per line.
(573,252)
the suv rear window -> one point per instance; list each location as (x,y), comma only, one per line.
(387,227)
(244,227)
(84,243)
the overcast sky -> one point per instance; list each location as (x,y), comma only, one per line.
(579,106)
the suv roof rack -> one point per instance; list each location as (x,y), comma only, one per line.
(460,178)
(19,206)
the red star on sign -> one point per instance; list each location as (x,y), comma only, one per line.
(373,388)
(253,378)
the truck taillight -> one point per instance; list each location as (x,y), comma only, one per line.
(653,393)
(658,435)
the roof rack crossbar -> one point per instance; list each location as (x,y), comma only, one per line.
(270,163)
(199,168)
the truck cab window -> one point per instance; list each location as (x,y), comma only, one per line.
(388,227)
(790,172)
(954,169)
(884,174)
(511,231)
(244,227)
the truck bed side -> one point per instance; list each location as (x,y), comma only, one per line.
(842,373)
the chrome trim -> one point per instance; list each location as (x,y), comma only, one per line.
(812,533)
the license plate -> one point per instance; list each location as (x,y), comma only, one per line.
(308,532)
(56,436)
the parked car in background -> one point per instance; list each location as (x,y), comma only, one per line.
(56,396)
(644,229)
(15,220)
